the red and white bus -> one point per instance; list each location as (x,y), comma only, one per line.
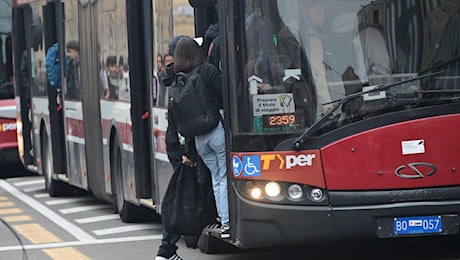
(341,116)
(8,141)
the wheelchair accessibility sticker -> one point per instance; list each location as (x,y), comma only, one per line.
(290,166)
(237,166)
(251,166)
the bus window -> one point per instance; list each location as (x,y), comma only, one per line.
(176,14)
(276,72)
(6,91)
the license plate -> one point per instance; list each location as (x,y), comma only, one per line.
(418,225)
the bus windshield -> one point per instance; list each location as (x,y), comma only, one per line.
(301,58)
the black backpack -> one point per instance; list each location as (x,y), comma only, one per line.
(190,105)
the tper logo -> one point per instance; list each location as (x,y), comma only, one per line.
(7,127)
(289,161)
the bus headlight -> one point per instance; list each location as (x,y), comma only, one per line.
(256,193)
(272,189)
(295,192)
(279,192)
(316,194)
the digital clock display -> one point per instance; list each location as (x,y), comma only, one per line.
(279,120)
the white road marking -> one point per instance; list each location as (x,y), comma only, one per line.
(84,208)
(25,183)
(41,195)
(109,231)
(68,200)
(82,243)
(97,219)
(33,189)
(77,232)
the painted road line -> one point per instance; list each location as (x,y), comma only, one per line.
(36,233)
(33,189)
(2,198)
(82,243)
(77,232)
(65,201)
(65,253)
(109,231)
(97,219)
(10,211)
(41,195)
(17,218)
(6,204)
(25,183)
(84,208)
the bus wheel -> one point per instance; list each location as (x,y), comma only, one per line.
(54,187)
(128,212)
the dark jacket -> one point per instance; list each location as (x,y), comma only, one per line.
(172,141)
(73,80)
(168,78)
(213,82)
(212,45)
(172,138)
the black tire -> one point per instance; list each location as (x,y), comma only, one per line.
(191,241)
(129,213)
(54,187)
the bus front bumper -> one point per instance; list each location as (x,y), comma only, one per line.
(266,225)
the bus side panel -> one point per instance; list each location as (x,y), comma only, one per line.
(163,169)
(405,155)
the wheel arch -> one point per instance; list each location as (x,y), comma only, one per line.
(113,137)
(44,132)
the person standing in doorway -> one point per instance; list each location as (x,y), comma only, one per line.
(73,75)
(210,146)
(177,151)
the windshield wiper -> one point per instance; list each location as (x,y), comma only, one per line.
(439,91)
(313,128)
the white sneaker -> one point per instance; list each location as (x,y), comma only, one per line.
(225,233)
(173,257)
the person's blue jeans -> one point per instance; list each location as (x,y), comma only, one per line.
(168,244)
(211,148)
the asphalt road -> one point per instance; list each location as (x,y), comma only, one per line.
(35,226)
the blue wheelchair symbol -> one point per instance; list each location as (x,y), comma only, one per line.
(251,166)
(237,166)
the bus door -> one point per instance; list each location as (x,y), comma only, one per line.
(139,37)
(52,15)
(87,142)
(71,95)
(28,33)
(185,21)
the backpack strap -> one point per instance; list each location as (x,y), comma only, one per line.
(221,119)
